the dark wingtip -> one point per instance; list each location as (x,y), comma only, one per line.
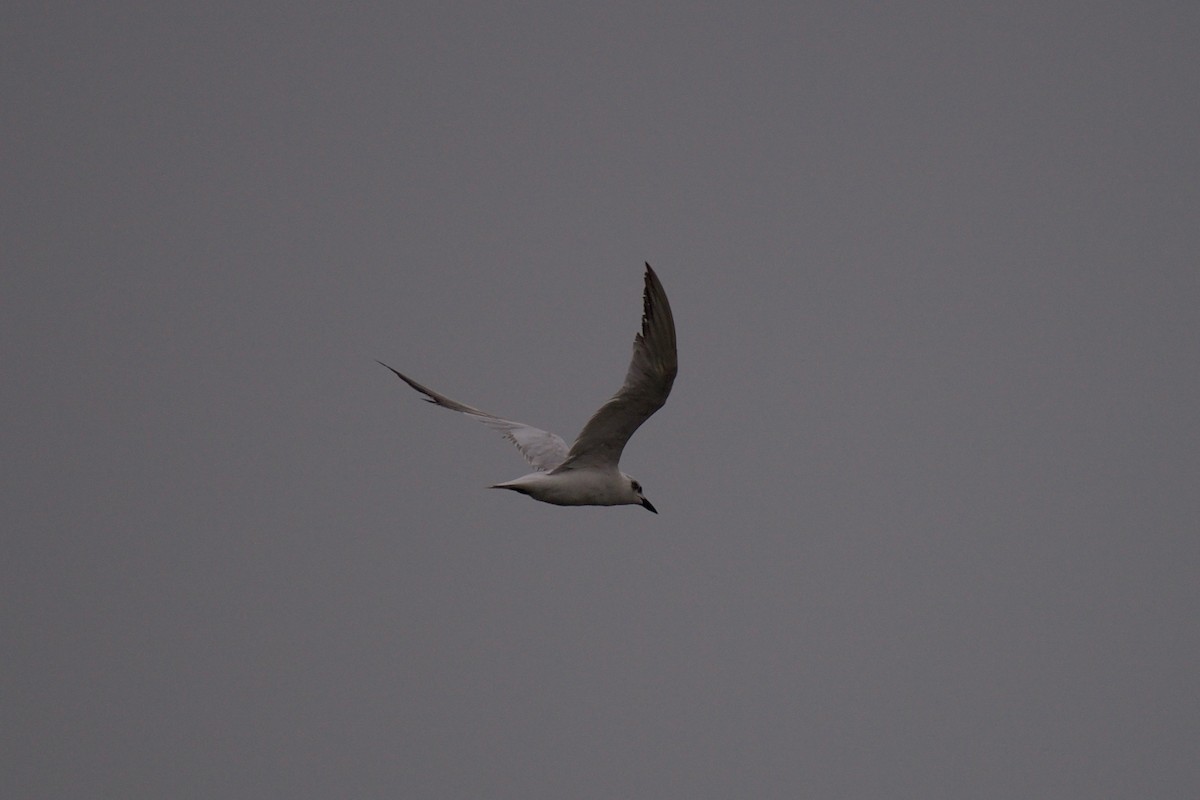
(393,369)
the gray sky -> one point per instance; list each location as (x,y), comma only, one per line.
(927,480)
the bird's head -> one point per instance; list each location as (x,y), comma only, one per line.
(639,498)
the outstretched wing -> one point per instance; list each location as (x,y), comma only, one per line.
(542,449)
(647,384)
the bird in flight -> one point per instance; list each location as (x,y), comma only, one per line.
(586,474)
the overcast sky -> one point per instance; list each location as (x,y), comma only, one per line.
(929,479)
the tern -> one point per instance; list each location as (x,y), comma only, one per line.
(586,474)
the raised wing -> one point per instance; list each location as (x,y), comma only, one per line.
(542,449)
(647,384)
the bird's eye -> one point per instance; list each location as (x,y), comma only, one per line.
(637,487)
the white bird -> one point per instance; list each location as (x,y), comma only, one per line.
(586,474)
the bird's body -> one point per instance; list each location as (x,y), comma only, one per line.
(577,487)
(586,474)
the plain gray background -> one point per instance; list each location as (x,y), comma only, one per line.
(928,479)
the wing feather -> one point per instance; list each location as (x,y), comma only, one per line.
(647,383)
(542,449)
